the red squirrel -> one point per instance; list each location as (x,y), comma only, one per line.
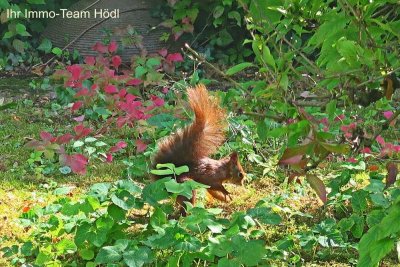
(193,145)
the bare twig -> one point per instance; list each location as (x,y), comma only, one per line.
(201,59)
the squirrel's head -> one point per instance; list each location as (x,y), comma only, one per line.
(237,174)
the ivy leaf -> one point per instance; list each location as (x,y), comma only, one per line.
(19,45)
(218,11)
(45,46)
(57,51)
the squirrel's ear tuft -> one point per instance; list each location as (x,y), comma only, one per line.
(234,156)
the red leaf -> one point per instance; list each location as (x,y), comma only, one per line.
(111,89)
(112,47)
(318,186)
(158,102)
(352,160)
(176,57)
(366,150)
(122,93)
(118,146)
(392,173)
(83,92)
(109,157)
(116,61)
(76,106)
(163,52)
(134,82)
(77,163)
(46,136)
(90,60)
(81,131)
(140,146)
(99,47)
(75,70)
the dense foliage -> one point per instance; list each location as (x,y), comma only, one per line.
(314,88)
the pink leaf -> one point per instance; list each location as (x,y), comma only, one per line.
(112,47)
(77,163)
(387,114)
(176,57)
(79,118)
(165,90)
(116,61)
(163,52)
(90,60)
(46,136)
(134,82)
(380,140)
(99,47)
(77,105)
(118,146)
(140,146)
(111,89)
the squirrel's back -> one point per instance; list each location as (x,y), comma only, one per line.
(199,139)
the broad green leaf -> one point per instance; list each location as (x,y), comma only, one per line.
(359,201)
(138,257)
(66,246)
(265,215)
(86,254)
(108,254)
(267,56)
(237,68)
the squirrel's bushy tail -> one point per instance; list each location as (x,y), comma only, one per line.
(199,139)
